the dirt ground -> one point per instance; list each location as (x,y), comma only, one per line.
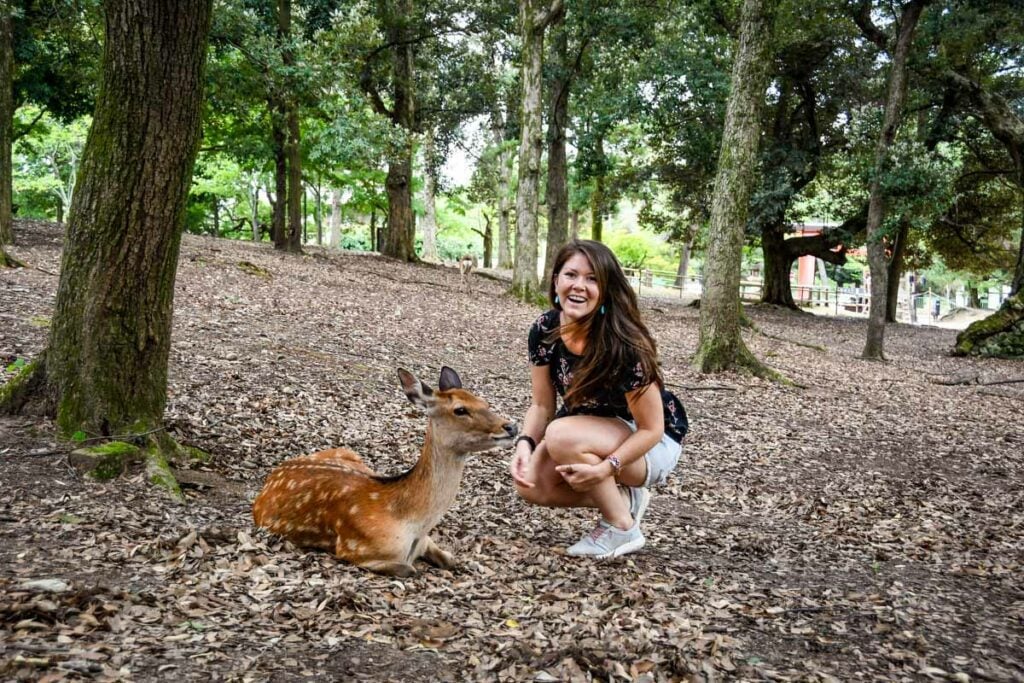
(865,525)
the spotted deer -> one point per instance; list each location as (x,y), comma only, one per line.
(331,500)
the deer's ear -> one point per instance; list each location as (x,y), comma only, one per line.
(449,379)
(418,392)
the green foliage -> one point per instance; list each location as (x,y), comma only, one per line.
(45,162)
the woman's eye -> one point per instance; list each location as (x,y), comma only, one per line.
(461,411)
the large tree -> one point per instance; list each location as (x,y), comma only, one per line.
(877,242)
(104,371)
(720,346)
(535,16)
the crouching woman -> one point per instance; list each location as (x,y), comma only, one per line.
(618,431)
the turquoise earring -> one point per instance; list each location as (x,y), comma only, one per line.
(556,300)
(602,309)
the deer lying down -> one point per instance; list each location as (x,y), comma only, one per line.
(333,501)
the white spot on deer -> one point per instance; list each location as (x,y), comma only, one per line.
(353,510)
(374,496)
(351,544)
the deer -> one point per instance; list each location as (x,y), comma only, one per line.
(466,264)
(331,500)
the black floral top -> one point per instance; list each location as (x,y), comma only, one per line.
(611,402)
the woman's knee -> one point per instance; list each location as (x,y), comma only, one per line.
(566,442)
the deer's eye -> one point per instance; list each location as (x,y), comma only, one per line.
(460,411)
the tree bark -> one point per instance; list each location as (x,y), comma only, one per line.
(6,129)
(534,20)
(557,197)
(504,181)
(429,222)
(279,203)
(895,267)
(597,198)
(335,227)
(399,240)
(105,367)
(292,241)
(874,346)
(778,262)
(720,346)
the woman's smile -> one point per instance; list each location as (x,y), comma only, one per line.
(577,288)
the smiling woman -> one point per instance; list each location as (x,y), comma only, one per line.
(618,432)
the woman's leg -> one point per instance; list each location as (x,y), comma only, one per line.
(588,440)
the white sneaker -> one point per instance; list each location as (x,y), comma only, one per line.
(608,541)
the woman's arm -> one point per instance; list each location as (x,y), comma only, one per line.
(538,415)
(649,414)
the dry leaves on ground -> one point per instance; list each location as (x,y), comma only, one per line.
(866,526)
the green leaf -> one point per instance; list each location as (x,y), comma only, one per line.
(78,437)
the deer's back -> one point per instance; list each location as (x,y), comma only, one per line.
(333,501)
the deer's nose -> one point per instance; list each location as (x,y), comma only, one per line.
(511,429)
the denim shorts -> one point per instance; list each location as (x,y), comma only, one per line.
(661,459)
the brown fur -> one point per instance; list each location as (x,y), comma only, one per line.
(331,500)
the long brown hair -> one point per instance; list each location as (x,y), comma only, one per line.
(616,339)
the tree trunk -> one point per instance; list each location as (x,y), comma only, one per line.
(899,250)
(293,149)
(778,262)
(574,225)
(257,234)
(683,270)
(534,21)
(216,217)
(720,346)
(557,198)
(279,203)
(504,205)
(597,198)
(6,128)
(874,346)
(400,239)
(429,222)
(106,363)
(335,229)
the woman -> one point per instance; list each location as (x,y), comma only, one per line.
(618,431)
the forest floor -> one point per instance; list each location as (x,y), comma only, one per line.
(865,525)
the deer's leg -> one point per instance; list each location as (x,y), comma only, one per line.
(433,554)
(389,568)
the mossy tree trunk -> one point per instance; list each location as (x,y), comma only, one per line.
(877,241)
(6,130)
(503,160)
(721,347)
(105,367)
(429,222)
(534,18)
(557,193)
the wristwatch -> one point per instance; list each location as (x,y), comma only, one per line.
(616,464)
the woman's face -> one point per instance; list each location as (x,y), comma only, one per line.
(576,287)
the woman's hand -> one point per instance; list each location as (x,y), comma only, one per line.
(581,477)
(520,465)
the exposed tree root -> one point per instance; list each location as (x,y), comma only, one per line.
(712,357)
(8,261)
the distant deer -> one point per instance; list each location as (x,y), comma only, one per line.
(333,501)
(466,264)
